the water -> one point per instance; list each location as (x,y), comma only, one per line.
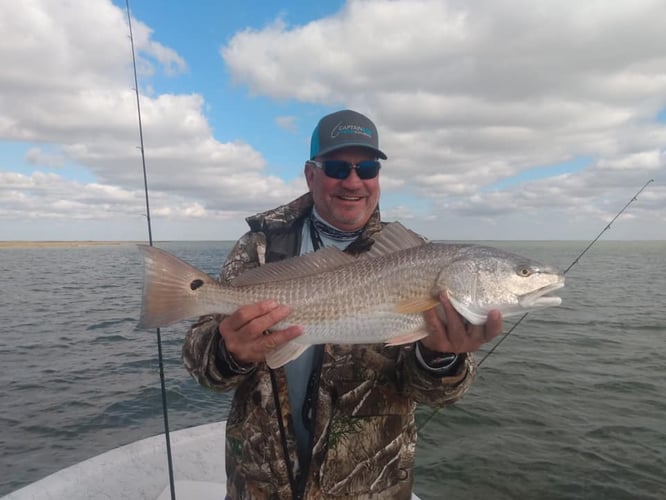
(572,405)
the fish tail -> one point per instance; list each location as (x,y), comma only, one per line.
(172,289)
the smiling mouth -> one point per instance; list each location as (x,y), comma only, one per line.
(350,198)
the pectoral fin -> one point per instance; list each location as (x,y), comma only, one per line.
(413,306)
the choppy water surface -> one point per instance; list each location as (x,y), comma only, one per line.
(572,405)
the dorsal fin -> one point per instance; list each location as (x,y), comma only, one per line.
(309,264)
(391,238)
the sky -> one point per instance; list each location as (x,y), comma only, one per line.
(502,119)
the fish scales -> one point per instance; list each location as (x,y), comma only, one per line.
(377,297)
(360,296)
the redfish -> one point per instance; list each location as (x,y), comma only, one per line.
(339,298)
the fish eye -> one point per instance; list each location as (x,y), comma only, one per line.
(524,272)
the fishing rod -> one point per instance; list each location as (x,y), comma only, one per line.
(575,261)
(150,241)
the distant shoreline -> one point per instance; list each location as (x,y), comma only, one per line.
(63,244)
(94,243)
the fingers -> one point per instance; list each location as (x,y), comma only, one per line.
(437,339)
(277,338)
(455,334)
(494,324)
(244,331)
(253,319)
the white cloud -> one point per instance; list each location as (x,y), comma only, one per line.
(36,156)
(465,95)
(49,195)
(68,82)
(468,94)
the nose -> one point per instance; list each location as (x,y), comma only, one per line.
(352,181)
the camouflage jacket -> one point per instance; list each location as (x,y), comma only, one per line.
(364,397)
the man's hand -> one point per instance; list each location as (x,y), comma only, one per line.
(457,335)
(245,332)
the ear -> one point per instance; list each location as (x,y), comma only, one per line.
(309,172)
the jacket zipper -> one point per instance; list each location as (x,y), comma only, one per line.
(312,400)
(283,437)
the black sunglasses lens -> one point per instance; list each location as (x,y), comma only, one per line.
(337,169)
(340,169)
(368,169)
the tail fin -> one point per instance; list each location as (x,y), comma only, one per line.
(171,289)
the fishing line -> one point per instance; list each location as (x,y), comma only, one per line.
(575,261)
(150,240)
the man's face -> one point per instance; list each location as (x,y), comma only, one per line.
(347,203)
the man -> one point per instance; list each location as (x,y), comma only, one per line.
(338,420)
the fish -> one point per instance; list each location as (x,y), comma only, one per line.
(375,297)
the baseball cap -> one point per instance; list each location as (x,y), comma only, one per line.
(343,129)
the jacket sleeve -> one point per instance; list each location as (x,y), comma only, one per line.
(201,348)
(200,355)
(431,390)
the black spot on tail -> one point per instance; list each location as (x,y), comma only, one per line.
(196,284)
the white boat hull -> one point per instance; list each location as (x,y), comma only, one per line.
(139,471)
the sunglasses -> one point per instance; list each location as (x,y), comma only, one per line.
(340,169)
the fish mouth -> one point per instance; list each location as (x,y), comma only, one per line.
(540,297)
